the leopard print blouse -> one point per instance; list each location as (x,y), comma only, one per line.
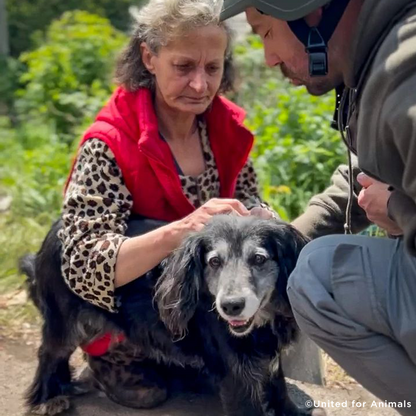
(97,205)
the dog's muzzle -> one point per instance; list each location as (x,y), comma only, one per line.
(238,311)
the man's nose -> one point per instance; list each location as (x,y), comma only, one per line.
(271,58)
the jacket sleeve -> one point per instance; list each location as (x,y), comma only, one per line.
(325,213)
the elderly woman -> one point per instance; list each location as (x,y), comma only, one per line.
(167,146)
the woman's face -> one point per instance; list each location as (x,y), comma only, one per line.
(189,69)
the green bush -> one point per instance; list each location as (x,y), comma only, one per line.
(33,168)
(27,19)
(10,73)
(296,150)
(68,78)
(66,82)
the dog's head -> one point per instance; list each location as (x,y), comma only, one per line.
(242,263)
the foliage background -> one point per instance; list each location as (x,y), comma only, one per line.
(296,149)
(28,19)
(60,76)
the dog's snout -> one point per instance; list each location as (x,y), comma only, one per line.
(233,306)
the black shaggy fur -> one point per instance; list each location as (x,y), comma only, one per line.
(169,314)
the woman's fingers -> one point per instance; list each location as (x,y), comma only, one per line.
(227,205)
(197,220)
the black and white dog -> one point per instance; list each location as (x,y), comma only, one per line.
(218,303)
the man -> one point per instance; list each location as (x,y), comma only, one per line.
(353,295)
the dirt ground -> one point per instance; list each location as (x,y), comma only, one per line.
(17,366)
(19,340)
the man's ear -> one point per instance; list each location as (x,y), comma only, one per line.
(147,56)
(314,18)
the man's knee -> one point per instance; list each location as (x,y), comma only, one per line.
(328,290)
(314,265)
(310,282)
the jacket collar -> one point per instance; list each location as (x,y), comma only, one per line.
(223,116)
(131,116)
(132,113)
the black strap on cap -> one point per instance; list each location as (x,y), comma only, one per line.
(316,38)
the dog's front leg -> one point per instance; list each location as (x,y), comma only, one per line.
(237,398)
(49,391)
(276,398)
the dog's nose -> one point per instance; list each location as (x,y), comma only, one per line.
(233,306)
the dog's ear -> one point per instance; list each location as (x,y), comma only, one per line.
(177,290)
(286,244)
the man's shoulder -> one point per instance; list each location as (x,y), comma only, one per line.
(395,58)
(394,63)
(398,49)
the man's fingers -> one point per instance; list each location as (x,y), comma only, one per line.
(361,198)
(364,180)
(261,213)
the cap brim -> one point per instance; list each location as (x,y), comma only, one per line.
(285,9)
(233,7)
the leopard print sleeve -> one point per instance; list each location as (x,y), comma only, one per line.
(247,190)
(96,206)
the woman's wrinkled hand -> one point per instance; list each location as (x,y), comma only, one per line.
(197,220)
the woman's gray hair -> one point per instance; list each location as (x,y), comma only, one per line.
(158,23)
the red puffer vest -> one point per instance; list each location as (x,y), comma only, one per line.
(128,125)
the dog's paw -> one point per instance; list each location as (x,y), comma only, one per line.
(82,384)
(79,388)
(52,407)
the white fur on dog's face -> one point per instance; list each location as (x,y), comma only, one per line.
(244,271)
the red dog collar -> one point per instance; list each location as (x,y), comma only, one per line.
(102,344)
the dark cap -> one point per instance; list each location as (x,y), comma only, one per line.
(280,9)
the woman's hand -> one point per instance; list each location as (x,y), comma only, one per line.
(140,254)
(197,220)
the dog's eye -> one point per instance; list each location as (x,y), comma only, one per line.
(214,262)
(259,259)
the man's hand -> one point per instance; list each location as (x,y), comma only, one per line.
(264,212)
(373,200)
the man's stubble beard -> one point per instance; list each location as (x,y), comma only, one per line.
(319,89)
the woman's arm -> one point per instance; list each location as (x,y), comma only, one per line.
(140,254)
(96,256)
(96,207)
